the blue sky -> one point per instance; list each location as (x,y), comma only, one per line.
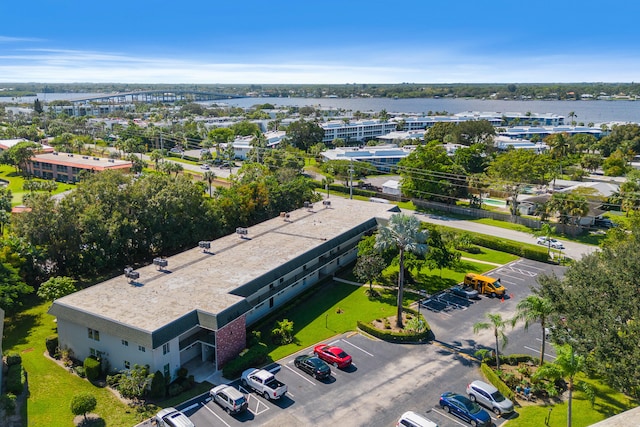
(324,42)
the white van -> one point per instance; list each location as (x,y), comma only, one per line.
(411,419)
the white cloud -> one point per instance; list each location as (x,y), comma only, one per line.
(8,39)
(437,66)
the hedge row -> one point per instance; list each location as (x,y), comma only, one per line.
(510,246)
(256,355)
(16,379)
(513,359)
(494,379)
(397,336)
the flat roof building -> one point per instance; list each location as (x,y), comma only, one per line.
(66,167)
(382,157)
(199,304)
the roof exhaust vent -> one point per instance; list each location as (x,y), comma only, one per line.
(161,263)
(131,275)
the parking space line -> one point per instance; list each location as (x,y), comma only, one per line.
(334,342)
(446,415)
(362,350)
(538,350)
(299,374)
(511,277)
(216,415)
(533,267)
(258,411)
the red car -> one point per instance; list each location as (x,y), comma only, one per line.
(333,355)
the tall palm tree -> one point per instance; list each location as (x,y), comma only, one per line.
(546,230)
(536,309)
(209,176)
(402,232)
(567,365)
(497,323)
(156,156)
(327,181)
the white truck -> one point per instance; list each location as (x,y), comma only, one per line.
(264,383)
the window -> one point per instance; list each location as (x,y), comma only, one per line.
(141,348)
(127,365)
(165,348)
(92,351)
(93,334)
(167,371)
(125,343)
(96,335)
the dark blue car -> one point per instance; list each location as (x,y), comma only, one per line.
(464,408)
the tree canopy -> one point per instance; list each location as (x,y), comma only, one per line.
(303,134)
(429,173)
(597,306)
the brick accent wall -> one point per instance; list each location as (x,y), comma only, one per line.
(231,340)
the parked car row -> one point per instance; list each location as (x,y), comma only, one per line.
(264,383)
(465,408)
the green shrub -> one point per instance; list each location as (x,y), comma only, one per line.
(255,356)
(396,336)
(158,388)
(8,403)
(80,371)
(182,372)
(14,359)
(15,379)
(175,389)
(113,380)
(92,368)
(52,345)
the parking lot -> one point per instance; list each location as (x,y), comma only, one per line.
(386,379)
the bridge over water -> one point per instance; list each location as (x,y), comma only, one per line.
(155,96)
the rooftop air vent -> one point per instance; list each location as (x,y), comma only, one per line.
(204,245)
(161,263)
(326,203)
(242,232)
(130,274)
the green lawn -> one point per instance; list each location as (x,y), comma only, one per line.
(316,317)
(51,387)
(490,255)
(608,402)
(16,181)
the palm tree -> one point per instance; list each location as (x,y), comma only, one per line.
(402,232)
(156,156)
(546,230)
(534,309)
(498,324)
(327,181)
(567,365)
(209,176)
(572,115)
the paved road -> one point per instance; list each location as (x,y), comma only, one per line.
(572,249)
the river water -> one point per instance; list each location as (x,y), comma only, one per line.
(585,111)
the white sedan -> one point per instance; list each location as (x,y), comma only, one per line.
(555,244)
